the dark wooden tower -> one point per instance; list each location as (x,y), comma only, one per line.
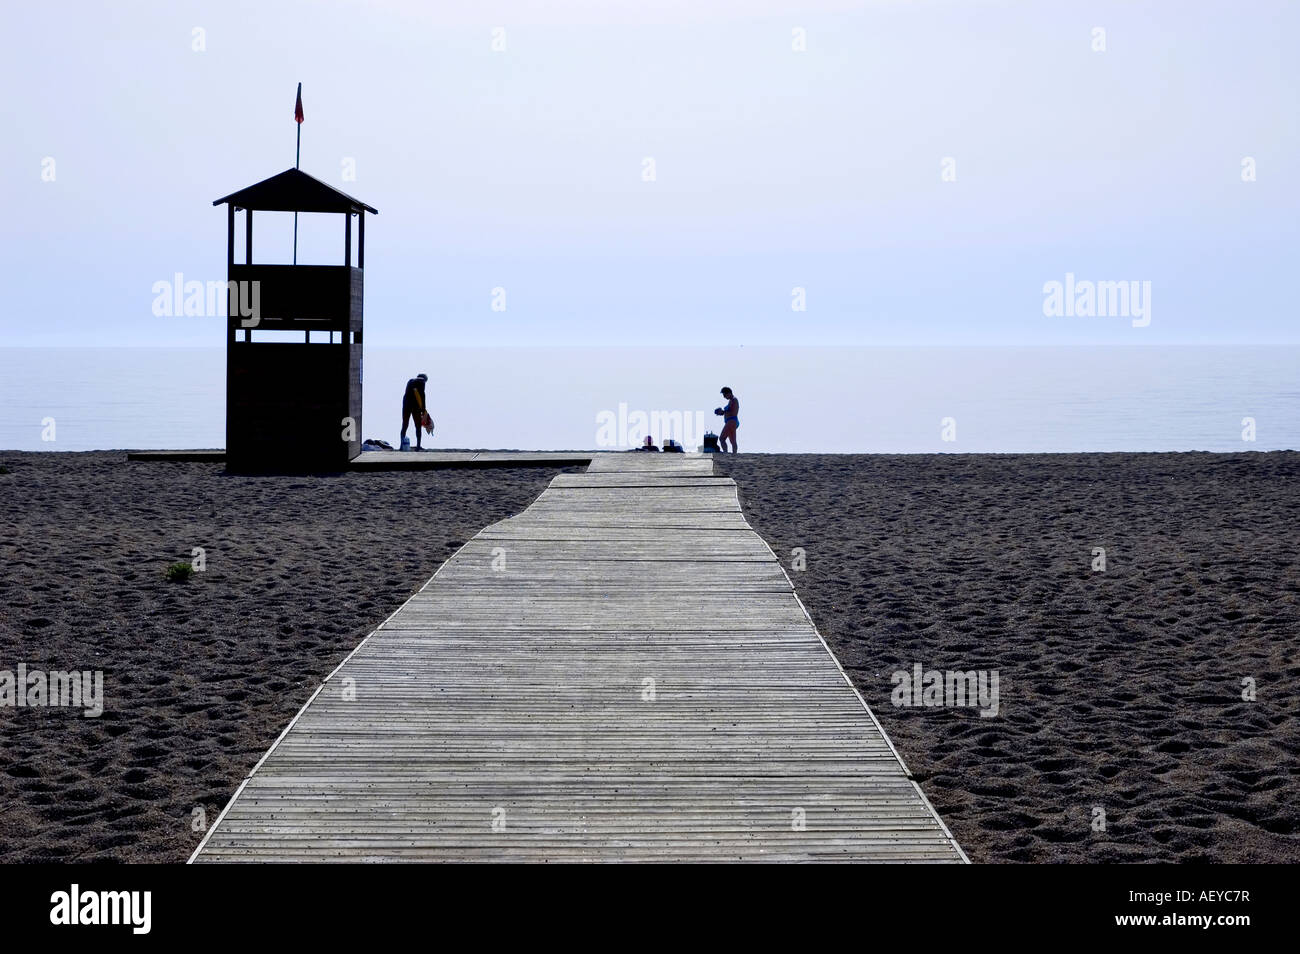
(287,400)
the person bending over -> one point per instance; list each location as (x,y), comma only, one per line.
(413,407)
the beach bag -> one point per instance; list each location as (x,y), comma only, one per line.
(406,443)
(710,443)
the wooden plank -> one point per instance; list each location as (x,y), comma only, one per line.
(432,460)
(620,673)
(191,456)
(616,463)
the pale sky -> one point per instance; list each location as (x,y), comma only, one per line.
(523,169)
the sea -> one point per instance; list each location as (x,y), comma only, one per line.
(897,400)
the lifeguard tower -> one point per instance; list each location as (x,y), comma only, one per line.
(289,399)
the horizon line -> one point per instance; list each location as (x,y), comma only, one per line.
(661,344)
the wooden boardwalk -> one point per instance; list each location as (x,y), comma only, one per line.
(622,672)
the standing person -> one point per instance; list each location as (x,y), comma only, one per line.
(413,408)
(730,415)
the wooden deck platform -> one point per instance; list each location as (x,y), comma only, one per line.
(411,460)
(622,672)
(187,456)
(437,460)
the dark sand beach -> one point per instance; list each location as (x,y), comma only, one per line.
(199,677)
(1119,689)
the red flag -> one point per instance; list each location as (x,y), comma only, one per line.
(297,107)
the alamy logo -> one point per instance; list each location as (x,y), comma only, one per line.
(627,428)
(195,299)
(103,907)
(950,689)
(34,688)
(1070,299)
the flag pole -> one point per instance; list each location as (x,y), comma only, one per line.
(297,158)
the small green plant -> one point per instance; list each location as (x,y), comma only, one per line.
(179,572)
(5,470)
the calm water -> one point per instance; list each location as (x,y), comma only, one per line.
(792,399)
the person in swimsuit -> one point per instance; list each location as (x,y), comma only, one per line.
(413,405)
(730,420)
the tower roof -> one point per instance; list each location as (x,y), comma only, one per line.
(294,191)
